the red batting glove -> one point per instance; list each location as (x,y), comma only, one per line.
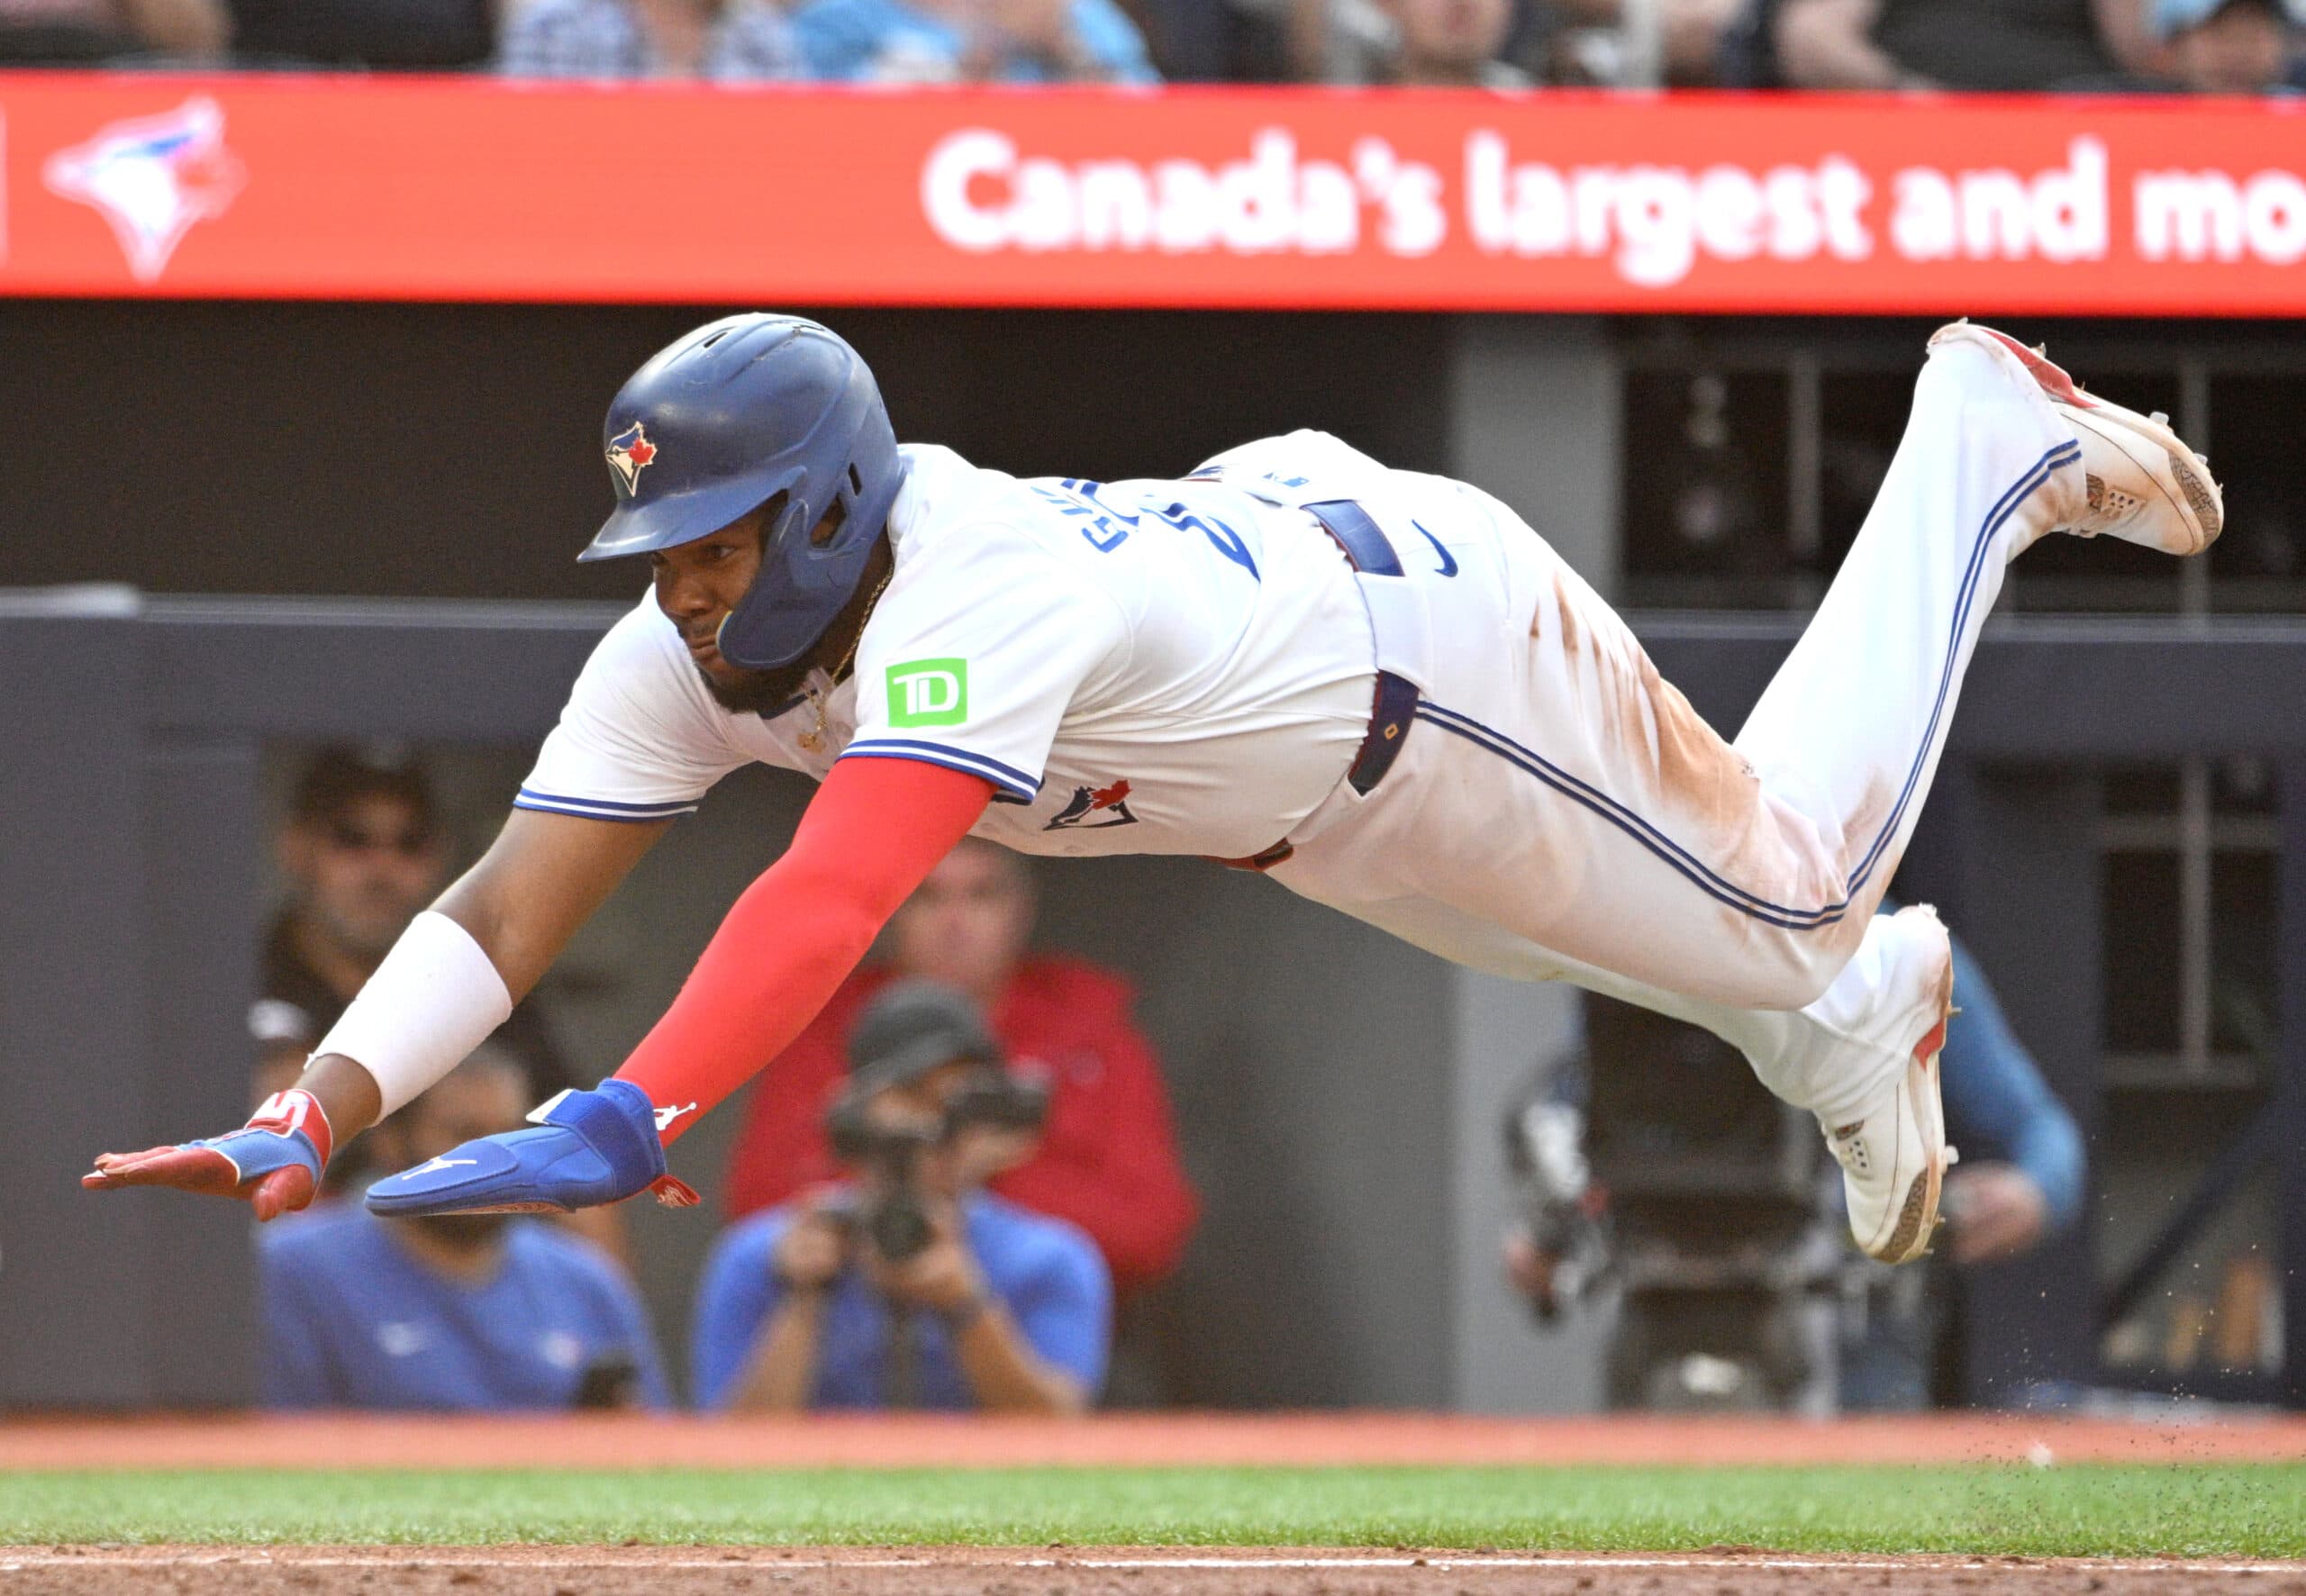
(273,1163)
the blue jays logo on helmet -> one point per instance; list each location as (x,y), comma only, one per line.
(630,451)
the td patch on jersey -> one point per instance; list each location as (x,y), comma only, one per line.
(630,452)
(929,693)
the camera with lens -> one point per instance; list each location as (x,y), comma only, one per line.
(1712,1238)
(907,1032)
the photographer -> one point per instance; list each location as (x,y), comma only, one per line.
(1107,1158)
(909,1285)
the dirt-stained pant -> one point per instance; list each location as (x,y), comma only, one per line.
(1559,812)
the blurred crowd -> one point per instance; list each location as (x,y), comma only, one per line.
(2246,47)
(954,1191)
(960,1187)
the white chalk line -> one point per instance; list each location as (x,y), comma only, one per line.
(386,1559)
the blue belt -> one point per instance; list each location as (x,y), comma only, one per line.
(1367,548)
(1393,704)
(1391,710)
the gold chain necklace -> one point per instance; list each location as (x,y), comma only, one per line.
(813,739)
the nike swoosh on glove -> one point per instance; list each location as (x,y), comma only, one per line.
(273,1161)
(588,1149)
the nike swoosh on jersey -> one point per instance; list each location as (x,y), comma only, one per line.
(1449,565)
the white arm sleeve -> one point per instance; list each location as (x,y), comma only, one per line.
(434,999)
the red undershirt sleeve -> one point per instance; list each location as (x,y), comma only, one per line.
(875,830)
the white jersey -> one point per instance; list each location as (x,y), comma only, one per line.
(1148,666)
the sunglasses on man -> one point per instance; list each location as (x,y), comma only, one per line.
(408,841)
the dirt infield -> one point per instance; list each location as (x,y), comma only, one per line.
(1123,1441)
(609,1571)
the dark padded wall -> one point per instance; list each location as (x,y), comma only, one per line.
(453,450)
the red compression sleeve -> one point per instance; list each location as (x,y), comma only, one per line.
(872,834)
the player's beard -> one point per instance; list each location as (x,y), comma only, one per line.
(758,692)
(770,692)
(467,1232)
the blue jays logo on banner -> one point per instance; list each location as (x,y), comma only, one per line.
(152,177)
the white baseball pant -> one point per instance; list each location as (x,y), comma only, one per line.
(1559,812)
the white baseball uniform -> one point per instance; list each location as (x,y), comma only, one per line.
(1188,667)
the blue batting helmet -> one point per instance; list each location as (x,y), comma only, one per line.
(723,420)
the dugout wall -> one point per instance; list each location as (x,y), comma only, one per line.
(1337,1090)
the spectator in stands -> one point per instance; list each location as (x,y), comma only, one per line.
(1314,41)
(1595,44)
(1452,44)
(406,35)
(1108,1159)
(971,42)
(364,851)
(2020,1184)
(60,32)
(721,41)
(464,1312)
(909,1286)
(2225,47)
(1958,44)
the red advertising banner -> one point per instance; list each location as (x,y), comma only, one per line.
(330,187)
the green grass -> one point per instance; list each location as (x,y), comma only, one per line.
(2127,1510)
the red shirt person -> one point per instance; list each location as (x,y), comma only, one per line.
(1108,1156)
(1107,1160)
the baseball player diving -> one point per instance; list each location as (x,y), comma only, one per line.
(1380,688)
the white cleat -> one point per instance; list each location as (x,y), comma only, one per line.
(2144,485)
(1893,1159)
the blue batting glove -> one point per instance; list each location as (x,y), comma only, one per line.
(273,1163)
(588,1149)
